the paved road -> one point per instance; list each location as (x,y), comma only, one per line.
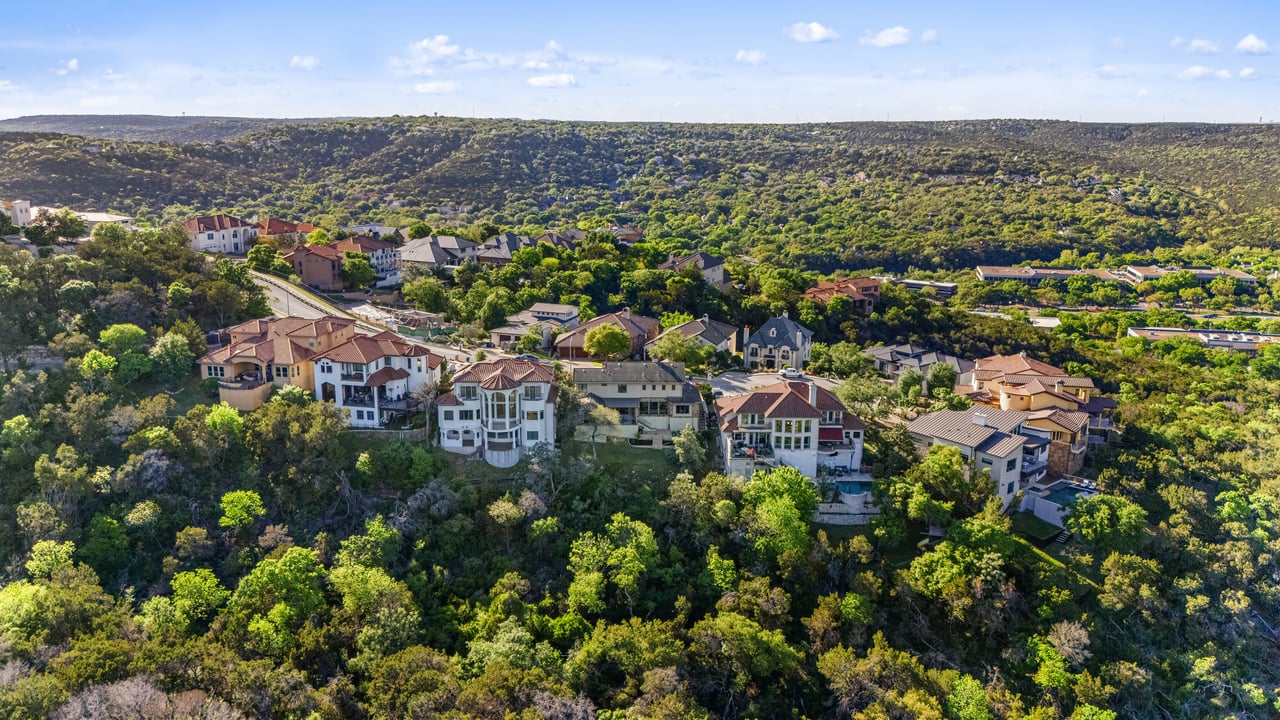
(737,383)
(286,299)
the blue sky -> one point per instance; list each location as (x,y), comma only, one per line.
(658,60)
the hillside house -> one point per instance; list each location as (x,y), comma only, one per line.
(275,352)
(653,399)
(799,424)
(721,336)
(436,252)
(319,266)
(641,330)
(780,342)
(498,409)
(712,268)
(864,293)
(371,377)
(546,318)
(220,234)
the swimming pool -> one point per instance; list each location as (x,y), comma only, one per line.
(1063,494)
(854,487)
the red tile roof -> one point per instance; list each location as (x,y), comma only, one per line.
(363,244)
(1018,364)
(276,226)
(364,349)
(519,371)
(208,223)
(386,375)
(327,252)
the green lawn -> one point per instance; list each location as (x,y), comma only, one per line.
(650,462)
(1028,524)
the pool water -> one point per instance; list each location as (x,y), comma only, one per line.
(1062,494)
(854,487)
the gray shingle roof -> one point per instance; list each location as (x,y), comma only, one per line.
(779,332)
(628,372)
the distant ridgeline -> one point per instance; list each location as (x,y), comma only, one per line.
(937,196)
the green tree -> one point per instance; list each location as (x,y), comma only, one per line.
(48,556)
(319,236)
(426,294)
(621,558)
(96,368)
(1108,522)
(676,347)
(690,452)
(240,509)
(172,359)
(197,594)
(607,342)
(357,272)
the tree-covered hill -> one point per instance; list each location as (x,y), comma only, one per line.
(185,128)
(827,196)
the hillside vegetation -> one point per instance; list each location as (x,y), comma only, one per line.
(825,196)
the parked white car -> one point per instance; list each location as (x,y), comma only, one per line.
(790,373)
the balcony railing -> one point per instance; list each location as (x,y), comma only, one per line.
(502,446)
(358,401)
(1033,466)
(352,377)
(759,451)
(501,424)
(248,383)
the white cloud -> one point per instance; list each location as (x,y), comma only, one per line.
(67,67)
(1118,43)
(811,32)
(887,37)
(749,57)
(436,87)
(557,80)
(1202,47)
(1247,73)
(7,86)
(1143,92)
(929,36)
(1112,72)
(304,62)
(1253,45)
(1201,72)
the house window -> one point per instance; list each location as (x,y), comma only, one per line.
(282,371)
(532,392)
(622,389)
(448,414)
(856,434)
(326,368)
(532,436)
(653,407)
(466,414)
(682,409)
(210,236)
(467,392)
(532,415)
(217,371)
(1009,488)
(1009,466)
(806,441)
(986,461)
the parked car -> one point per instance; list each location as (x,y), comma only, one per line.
(527,356)
(790,373)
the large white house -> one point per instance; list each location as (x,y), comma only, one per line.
(220,234)
(371,377)
(499,409)
(798,424)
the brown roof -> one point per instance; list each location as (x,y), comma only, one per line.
(386,375)
(363,244)
(329,252)
(519,371)
(364,349)
(784,400)
(276,226)
(1073,421)
(207,223)
(1018,364)
(637,326)
(269,340)
(856,288)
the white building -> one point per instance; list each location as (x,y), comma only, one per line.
(990,439)
(20,212)
(499,409)
(371,377)
(780,342)
(797,424)
(220,234)
(653,399)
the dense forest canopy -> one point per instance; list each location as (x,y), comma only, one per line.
(935,195)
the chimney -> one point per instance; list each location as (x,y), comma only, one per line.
(784,313)
(1058,386)
(980,419)
(626,312)
(813,393)
(1022,354)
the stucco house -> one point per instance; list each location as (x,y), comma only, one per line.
(499,409)
(653,399)
(798,424)
(276,352)
(371,377)
(220,234)
(641,329)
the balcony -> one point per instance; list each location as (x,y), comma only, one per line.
(1101,423)
(1033,466)
(751,451)
(501,424)
(352,377)
(500,446)
(362,401)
